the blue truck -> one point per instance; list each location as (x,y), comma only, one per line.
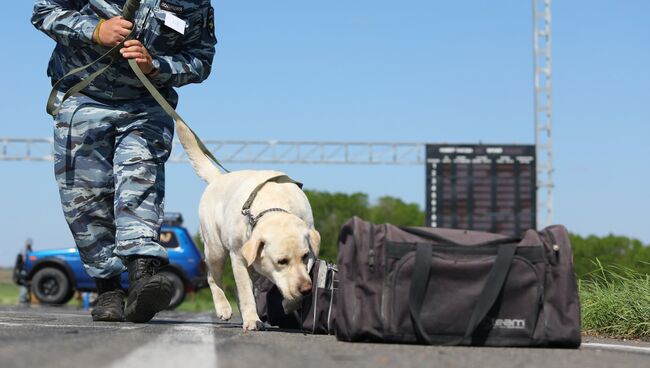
(53,276)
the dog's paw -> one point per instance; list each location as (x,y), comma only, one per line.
(224,311)
(253,325)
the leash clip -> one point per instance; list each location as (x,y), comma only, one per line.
(251,219)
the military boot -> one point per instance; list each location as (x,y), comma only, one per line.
(109,306)
(149,293)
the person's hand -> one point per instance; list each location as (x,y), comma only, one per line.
(133,49)
(113,31)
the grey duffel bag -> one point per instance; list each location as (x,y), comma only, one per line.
(315,314)
(456,287)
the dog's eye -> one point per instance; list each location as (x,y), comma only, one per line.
(305,258)
(283,261)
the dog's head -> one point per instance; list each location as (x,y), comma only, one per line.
(279,249)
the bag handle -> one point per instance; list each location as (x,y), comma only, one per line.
(435,237)
(493,286)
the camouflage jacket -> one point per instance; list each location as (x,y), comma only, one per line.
(183,58)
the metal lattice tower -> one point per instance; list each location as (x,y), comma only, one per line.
(543,67)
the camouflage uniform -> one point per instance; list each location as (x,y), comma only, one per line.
(111,141)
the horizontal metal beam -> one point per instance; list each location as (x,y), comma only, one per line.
(265,152)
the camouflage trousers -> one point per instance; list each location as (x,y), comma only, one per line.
(109,165)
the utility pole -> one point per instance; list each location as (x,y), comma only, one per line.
(543,67)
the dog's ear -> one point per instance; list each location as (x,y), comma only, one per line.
(314,241)
(251,249)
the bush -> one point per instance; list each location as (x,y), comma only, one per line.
(622,251)
(616,303)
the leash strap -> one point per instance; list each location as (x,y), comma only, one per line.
(129,11)
(51,107)
(170,110)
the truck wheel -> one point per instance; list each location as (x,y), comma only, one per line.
(179,289)
(51,286)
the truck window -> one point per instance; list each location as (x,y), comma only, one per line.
(168,239)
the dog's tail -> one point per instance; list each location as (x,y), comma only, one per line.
(200,162)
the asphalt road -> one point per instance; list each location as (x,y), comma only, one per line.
(59,337)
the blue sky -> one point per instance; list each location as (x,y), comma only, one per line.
(414,70)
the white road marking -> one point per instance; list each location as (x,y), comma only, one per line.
(15,324)
(616,347)
(48,314)
(196,343)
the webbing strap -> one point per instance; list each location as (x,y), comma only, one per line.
(493,286)
(280,179)
(128,12)
(246,209)
(170,110)
(51,100)
(54,110)
(419,284)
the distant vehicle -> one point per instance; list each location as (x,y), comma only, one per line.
(54,275)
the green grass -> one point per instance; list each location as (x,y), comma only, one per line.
(8,294)
(616,303)
(202,302)
(8,290)
(197,302)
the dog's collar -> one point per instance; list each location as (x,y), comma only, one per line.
(253,220)
(246,209)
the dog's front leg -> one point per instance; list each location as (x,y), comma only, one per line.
(247,305)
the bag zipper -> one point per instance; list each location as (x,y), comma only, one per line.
(331,272)
(371,252)
(555,246)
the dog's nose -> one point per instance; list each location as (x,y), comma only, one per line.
(305,288)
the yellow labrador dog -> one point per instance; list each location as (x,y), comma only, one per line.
(275,236)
